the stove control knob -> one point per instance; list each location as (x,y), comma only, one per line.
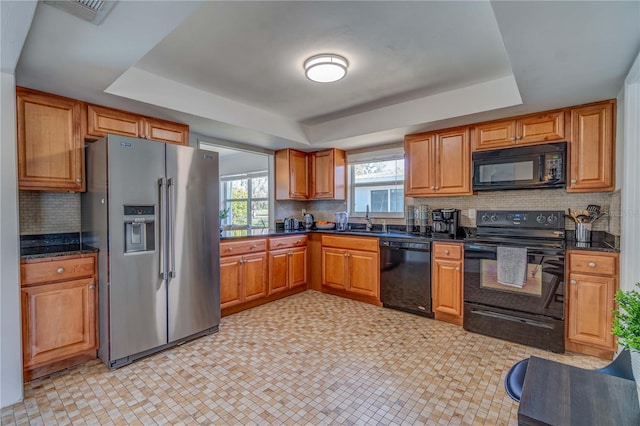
(541,218)
(484,218)
(552,219)
(494,217)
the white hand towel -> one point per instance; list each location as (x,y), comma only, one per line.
(512,266)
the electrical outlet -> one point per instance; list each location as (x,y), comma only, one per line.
(472,213)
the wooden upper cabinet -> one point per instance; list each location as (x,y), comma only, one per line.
(420,165)
(292,175)
(50,146)
(453,167)
(592,151)
(318,175)
(438,164)
(165,131)
(102,121)
(328,174)
(529,130)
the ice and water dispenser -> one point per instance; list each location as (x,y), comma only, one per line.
(139,222)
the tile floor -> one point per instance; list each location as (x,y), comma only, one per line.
(308,359)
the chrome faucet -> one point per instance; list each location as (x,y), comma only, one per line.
(369,225)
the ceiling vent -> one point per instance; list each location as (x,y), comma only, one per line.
(93,11)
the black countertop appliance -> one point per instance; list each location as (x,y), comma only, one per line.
(446,223)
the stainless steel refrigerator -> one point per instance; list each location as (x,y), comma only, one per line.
(152,210)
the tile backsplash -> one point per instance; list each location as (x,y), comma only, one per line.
(49,212)
(540,199)
(55,212)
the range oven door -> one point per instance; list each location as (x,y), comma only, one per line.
(542,294)
(532,315)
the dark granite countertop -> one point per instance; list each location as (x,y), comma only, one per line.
(601,241)
(52,245)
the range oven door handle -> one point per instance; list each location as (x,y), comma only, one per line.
(480,247)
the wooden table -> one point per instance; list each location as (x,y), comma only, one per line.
(559,394)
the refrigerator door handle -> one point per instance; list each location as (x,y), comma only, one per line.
(161,225)
(171,242)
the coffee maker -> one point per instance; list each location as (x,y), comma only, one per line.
(446,222)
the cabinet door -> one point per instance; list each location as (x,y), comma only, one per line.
(453,173)
(322,174)
(297,267)
(592,149)
(230,292)
(298,175)
(364,273)
(101,121)
(278,270)
(58,320)
(497,134)
(419,165)
(50,145)
(165,131)
(334,268)
(590,305)
(254,276)
(543,128)
(447,287)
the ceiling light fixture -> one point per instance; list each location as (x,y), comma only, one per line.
(325,68)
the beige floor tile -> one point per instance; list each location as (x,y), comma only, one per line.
(308,359)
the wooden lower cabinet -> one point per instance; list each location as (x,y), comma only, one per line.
(446,279)
(592,283)
(242,278)
(257,271)
(351,267)
(59,314)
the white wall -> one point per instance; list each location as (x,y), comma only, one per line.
(10,343)
(630,237)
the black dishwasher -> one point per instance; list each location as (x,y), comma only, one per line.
(405,276)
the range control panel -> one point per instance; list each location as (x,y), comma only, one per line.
(539,219)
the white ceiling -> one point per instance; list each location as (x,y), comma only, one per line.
(233,70)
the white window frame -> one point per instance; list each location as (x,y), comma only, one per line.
(224,200)
(387,154)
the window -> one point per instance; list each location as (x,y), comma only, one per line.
(378,183)
(247,198)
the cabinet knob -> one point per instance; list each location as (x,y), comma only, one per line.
(518,137)
(253,246)
(591,264)
(297,241)
(457,268)
(437,187)
(572,282)
(290,253)
(60,270)
(446,252)
(230,249)
(513,138)
(79,180)
(91,287)
(280,244)
(573,181)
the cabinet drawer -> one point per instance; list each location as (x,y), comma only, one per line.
(241,247)
(56,270)
(593,264)
(447,251)
(287,242)
(353,243)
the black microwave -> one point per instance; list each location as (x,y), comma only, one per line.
(526,167)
